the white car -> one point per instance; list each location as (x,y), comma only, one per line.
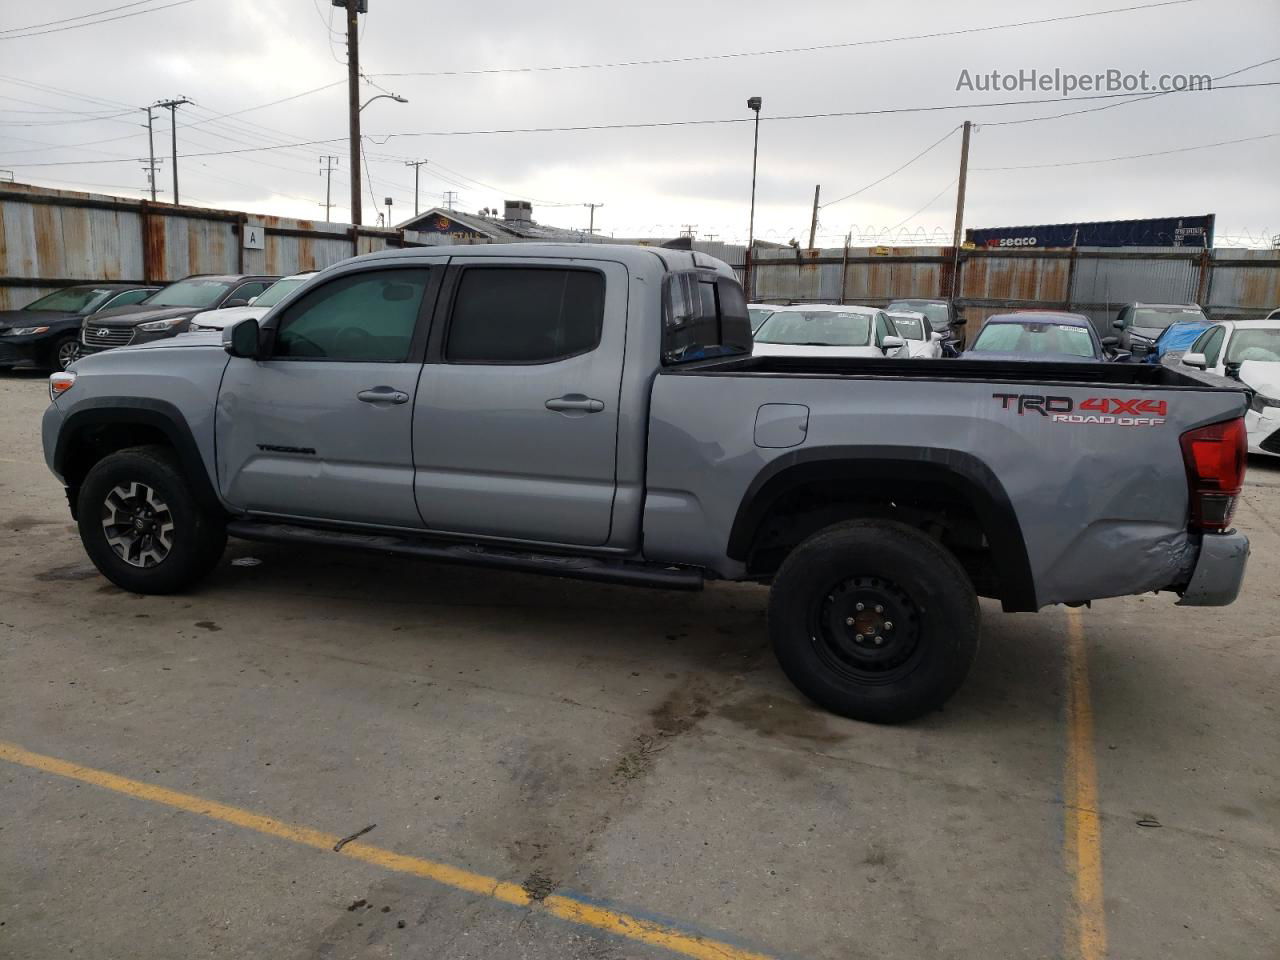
(257,308)
(914,328)
(826,330)
(1248,351)
(759,313)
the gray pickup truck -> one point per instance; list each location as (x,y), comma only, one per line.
(593,411)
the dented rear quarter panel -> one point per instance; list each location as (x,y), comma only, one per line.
(1102,506)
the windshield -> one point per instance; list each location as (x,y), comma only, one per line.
(278,291)
(937,314)
(758,316)
(71,299)
(910,327)
(195,292)
(818,328)
(1254,345)
(1034,338)
(1157,318)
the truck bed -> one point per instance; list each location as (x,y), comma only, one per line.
(1136,375)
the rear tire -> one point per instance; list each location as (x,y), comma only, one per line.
(142,526)
(874,620)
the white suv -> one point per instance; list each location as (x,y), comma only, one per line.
(257,308)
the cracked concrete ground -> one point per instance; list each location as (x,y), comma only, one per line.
(633,748)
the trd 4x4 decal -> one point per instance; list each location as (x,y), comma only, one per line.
(1118,411)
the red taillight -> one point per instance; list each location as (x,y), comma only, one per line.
(1215,457)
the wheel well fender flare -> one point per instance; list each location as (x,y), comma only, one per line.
(158,415)
(963,473)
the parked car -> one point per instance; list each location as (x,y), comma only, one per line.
(943,317)
(258,306)
(1175,340)
(1043,335)
(167,312)
(1139,324)
(759,313)
(826,330)
(1247,351)
(922,342)
(46,334)
(594,411)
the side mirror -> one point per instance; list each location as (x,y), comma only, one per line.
(936,337)
(241,339)
(252,301)
(236,302)
(960,320)
(1196,360)
(1110,341)
(1232,370)
(892,343)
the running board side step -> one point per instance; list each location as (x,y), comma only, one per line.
(581,568)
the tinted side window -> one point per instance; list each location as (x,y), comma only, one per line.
(524,315)
(1213,346)
(247,290)
(363,316)
(883,328)
(127,298)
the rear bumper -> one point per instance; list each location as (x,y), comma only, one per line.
(1219,571)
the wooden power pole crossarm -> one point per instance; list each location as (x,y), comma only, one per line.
(353,105)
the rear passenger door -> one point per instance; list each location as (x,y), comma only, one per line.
(516,421)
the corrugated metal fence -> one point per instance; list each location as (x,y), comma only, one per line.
(53,238)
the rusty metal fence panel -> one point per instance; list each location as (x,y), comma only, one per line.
(1243,283)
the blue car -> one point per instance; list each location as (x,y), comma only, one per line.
(1177,338)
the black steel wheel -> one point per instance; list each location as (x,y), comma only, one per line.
(874,620)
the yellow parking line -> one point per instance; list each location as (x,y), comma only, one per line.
(568,908)
(1082,842)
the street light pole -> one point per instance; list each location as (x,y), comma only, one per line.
(753,103)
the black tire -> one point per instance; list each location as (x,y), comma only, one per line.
(896,669)
(64,346)
(190,536)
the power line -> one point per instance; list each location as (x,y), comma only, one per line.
(83,16)
(654,124)
(943,139)
(964,31)
(77,26)
(928,203)
(1133,156)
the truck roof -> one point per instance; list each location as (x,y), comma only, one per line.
(630,254)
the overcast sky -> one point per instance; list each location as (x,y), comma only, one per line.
(230,55)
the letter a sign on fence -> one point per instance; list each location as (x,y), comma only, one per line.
(253,236)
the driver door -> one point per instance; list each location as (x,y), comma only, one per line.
(322,427)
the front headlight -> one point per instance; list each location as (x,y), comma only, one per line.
(23,331)
(154,325)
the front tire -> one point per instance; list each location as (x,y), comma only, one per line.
(142,526)
(65,352)
(874,620)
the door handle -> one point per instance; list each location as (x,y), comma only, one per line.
(575,401)
(383,395)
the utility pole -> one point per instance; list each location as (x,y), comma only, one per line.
(964,176)
(450,198)
(591,226)
(753,103)
(813,224)
(327,163)
(955,236)
(353,104)
(173,131)
(151,153)
(416,164)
